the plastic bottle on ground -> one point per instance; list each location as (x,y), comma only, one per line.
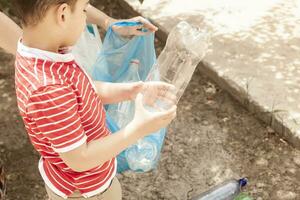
(225,191)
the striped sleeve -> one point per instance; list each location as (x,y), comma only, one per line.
(54,109)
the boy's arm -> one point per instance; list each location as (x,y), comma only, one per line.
(116,92)
(54,109)
(10,32)
(97,152)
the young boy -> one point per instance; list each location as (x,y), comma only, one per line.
(62,108)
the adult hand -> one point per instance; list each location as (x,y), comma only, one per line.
(135,30)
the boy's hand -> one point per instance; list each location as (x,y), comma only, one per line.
(135,30)
(146,122)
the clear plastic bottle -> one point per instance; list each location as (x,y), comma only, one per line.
(225,191)
(143,155)
(185,48)
(123,112)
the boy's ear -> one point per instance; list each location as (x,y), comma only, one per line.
(62,13)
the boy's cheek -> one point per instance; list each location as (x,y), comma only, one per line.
(74,34)
(74,28)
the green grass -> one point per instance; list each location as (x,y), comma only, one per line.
(243,196)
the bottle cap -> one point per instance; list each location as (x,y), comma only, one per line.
(135,61)
(243,182)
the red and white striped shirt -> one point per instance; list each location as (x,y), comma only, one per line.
(61,111)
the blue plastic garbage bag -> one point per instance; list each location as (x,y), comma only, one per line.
(112,64)
(117,52)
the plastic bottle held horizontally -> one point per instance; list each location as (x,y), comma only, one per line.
(123,112)
(225,191)
(186,46)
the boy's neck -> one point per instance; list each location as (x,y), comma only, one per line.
(40,37)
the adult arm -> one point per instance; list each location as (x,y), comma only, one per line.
(10,33)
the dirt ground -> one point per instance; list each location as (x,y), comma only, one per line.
(213,139)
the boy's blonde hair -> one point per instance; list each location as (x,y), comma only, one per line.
(33,11)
